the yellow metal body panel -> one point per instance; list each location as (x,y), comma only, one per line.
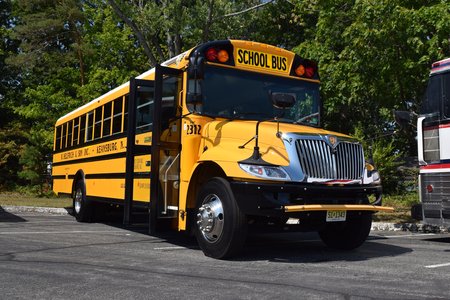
(222,141)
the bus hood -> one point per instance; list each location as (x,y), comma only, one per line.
(233,140)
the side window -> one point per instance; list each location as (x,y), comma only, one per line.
(64,136)
(117,116)
(90,126)
(69,133)
(107,119)
(76,129)
(446,97)
(58,138)
(169,100)
(125,114)
(98,122)
(433,96)
(144,109)
(82,129)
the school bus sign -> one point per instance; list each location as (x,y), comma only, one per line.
(261,61)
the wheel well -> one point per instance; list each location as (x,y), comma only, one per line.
(203,173)
(78,176)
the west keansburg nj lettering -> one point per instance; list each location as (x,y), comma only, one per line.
(107,147)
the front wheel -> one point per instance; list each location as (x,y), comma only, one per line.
(221,227)
(347,235)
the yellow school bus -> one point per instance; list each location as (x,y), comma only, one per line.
(217,140)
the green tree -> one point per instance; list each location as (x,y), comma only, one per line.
(112,55)
(70,53)
(11,133)
(51,67)
(374,56)
(166,28)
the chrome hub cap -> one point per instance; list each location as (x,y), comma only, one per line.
(78,199)
(210,218)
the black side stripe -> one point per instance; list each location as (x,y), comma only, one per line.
(116,175)
(140,175)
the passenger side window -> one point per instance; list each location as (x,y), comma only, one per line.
(117,116)
(58,138)
(107,119)
(90,126)
(144,111)
(82,129)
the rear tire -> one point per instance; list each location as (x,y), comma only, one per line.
(347,235)
(221,227)
(82,208)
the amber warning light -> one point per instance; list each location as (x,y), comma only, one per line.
(305,70)
(217,55)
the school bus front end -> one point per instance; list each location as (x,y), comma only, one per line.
(262,158)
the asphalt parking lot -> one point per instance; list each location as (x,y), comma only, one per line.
(53,257)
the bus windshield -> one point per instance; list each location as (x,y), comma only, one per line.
(235,94)
(437,96)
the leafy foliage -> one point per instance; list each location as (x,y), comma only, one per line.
(373,57)
(57,55)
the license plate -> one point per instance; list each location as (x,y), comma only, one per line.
(336,215)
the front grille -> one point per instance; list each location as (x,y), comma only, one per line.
(319,160)
(439,199)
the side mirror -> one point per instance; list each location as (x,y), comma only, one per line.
(196,67)
(194,98)
(282,100)
(403,118)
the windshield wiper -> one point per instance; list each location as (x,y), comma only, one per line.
(239,115)
(307,117)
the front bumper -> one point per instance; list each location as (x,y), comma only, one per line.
(294,200)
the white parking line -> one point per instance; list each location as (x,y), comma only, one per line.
(169,248)
(437,266)
(406,235)
(60,232)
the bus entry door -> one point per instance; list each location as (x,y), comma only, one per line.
(140,113)
(166,146)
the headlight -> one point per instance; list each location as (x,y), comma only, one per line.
(267,172)
(371,175)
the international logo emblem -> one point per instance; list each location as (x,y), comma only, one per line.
(332,140)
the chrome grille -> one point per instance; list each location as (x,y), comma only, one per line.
(319,160)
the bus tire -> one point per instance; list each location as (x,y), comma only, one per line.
(347,235)
(220,227)
(82,208)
